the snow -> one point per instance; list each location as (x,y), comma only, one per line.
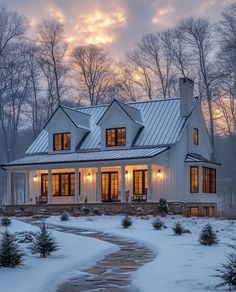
(181,264)
(37,274)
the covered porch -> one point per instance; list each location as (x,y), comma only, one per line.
(73,185)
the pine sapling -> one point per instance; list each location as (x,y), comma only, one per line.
(10,254)
(158,224)
(208,235)
(126,222)
(178,228)
(44,243)
(163,205)
(64,216)
(228,271)
(5,221)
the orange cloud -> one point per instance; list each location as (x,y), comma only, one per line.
(162,15)
(56,13)
(97,27)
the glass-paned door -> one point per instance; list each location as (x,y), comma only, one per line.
(110,184)
(140,182)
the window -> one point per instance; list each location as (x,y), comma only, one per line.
(116,137)
(63,184)
(208,180)
(194,211)
(140,182)
(195,136)
(194,181)
(61,141)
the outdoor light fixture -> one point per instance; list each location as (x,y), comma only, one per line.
(89,177)
(126,174)
(159,175)
(35,178)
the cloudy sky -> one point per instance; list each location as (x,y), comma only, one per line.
(115,24)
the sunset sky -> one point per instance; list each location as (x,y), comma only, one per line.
(114,24)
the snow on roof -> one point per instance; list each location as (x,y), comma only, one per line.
(162,124)
(89,156)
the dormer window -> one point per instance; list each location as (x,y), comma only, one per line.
(195,136)
(115,137)
(61,141)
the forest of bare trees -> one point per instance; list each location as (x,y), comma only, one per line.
(39,71)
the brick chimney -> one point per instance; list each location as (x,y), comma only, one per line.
(186,87)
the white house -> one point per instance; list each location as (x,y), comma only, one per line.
(122,152)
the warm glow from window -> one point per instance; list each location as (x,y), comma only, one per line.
(61,141)
(208,180)
(195,136)
(194,179)
(116,137)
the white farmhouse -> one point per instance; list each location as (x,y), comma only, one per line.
(122,152)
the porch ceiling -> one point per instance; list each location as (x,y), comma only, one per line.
(108,155)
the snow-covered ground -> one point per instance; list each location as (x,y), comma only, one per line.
(37,274)
(182,264)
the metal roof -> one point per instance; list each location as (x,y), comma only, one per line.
(195,157)
(161,119)
(80,119)
(91,156)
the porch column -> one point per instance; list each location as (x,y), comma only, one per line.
(99,188)
(27,177)
(9,188)
(123,195)
(49,186)
(77,186)
(149,192)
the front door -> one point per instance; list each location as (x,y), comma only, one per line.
(110,186)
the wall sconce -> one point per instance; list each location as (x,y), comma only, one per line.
(159,174)
(89,176)
(35,178)
(126,174)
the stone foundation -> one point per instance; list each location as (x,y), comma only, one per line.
(139,209)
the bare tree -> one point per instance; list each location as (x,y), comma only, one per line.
(198,34)
(92,67)
(15,93)
(52,60)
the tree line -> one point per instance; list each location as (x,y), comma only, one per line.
(40,72)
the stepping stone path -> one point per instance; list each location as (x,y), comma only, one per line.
(112,273)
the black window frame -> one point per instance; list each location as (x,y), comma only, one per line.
(69,183)
(191,180)
(62,141)
(144,191)
(208,187)
(116,136)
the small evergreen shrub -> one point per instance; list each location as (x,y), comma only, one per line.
(10,254)
(208,236)
(228,271)
(178,228)
(126,222)
(64,216)
(158,224)
(5,221)
(44,243)
(96,211)
(163,205)
(86,210)
(25,237)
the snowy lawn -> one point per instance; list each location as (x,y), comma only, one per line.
(182,264)
(38,274)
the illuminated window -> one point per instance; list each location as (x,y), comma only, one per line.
(194,181)
(61,141)
(140,182)
(63,184)
(116,137)
(194,211)
(208,180)
(195,136)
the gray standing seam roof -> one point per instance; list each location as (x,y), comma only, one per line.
(91,156)
(163,125)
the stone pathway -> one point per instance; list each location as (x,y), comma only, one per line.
(113,273)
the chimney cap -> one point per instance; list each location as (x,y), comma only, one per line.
(186,80)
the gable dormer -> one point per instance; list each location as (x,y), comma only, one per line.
(66,128)
(119,125)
